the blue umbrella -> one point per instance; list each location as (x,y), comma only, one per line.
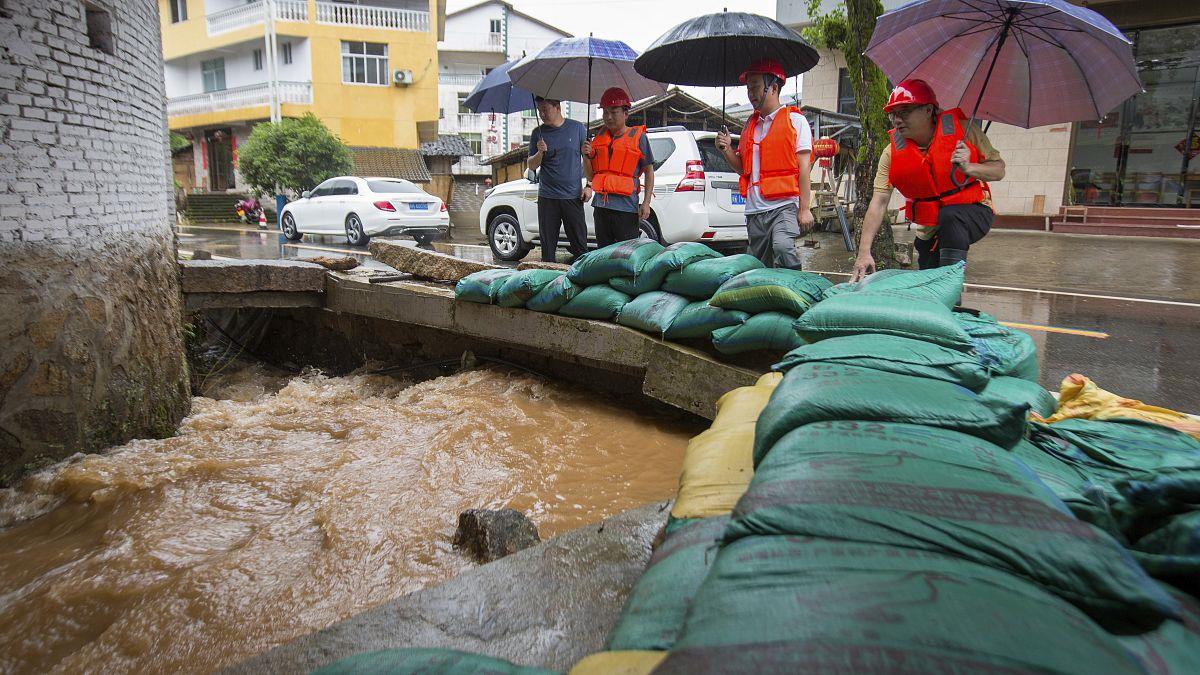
(1024,62)
(495,93)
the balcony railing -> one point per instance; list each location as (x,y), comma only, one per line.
(248,96)
(250,14)
(334,13)
(372,17)
(461,79)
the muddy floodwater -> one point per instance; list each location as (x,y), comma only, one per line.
(284,505)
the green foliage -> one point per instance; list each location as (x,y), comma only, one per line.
(179,142)
(295,154)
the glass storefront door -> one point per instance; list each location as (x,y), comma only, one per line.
(1144,153)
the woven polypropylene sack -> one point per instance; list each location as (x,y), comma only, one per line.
(942,491)
(771,290)
(519,288)
(892,354)
(767,331)
(618,663)
(1129,445)
(1002,350)
(654,612)
(481,286)
(717,466)
(885,314)
(675,257)
(943,285)
(628,286)
(801,605)
(554,295)
(652,312)
(1015,390)
(745,404)
(418,661)
(854,286)
(622,259)
(601,302)
(818,392)
(1174,647)
(699,319)
(702,278)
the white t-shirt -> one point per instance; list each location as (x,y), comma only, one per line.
(754,199)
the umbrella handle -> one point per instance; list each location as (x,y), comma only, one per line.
(955,170)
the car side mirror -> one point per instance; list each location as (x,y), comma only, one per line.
(305,194)
(531,175)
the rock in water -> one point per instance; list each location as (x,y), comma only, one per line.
(337,264)
(489,535)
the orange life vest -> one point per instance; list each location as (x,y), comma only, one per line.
(615,161)
(778,169)
(924,177)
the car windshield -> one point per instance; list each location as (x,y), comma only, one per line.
(713,160)
(392,186)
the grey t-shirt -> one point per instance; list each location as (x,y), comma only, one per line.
(561,174)
(628,203)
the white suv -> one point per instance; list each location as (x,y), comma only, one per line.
(695,199)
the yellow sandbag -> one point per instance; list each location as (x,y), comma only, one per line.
(745,403)
(618,663)
(1080,397)
(717,468)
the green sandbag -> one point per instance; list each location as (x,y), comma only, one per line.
(1016,390)
(702,278)
(883,313)
(601,302)
(675,257)
(817,392)
(652,312)
(628,286)
(943,285)
(519,288)
(1089,500)
(931,489)
(554,295)
(892,354)
(769,331)
(1130,445)
(481,286)
(768,290)
(622,259)
(418,661)
(853,286)
(798,605)
(655,609)
(1003,350)
(1174,647)
(699,319)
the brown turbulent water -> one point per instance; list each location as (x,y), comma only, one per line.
(276,512)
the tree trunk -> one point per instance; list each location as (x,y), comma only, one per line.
(870,95)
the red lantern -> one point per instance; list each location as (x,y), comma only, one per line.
(825,147)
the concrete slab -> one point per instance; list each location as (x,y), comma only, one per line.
(425,263)
(200,301)
(246,276)
(546,606)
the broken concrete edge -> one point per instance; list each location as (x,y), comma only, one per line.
(674,374)
(546,606)
(425,263)
(248,276)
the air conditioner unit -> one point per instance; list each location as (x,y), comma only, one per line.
(402,78)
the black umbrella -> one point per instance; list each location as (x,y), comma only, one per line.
(715,49)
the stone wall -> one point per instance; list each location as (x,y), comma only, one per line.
(91,349)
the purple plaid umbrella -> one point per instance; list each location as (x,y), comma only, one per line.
(1024,62)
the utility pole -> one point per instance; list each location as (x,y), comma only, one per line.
(269,53)
(504,33)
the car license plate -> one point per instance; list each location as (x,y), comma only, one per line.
(737,199)
(418,206)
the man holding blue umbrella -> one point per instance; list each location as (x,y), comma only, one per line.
(556,152)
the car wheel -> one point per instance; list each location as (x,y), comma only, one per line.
(354,231)
(289,228)
(649,230)
(504,237)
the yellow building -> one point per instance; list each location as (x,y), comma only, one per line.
(368,71)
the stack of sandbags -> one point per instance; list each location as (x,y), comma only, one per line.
(774,298)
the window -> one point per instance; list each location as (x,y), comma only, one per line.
(364,63)
(258,62)
(529,113)
(713,160)
(462,104)
(344,187)
(496,26)
(286,52)
(213,74)
(324,189)
(475,141)
(845,102)
(661,149)
(178,10)
(392,187)
(99,28)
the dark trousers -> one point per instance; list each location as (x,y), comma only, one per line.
(613,226)
(959,226)
(567,214)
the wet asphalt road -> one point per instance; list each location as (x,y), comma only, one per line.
(1123,311)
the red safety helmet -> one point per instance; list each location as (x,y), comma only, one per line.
(764,67)
(911,92)
(614,97)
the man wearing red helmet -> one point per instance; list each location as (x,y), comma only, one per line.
(774,160)
(612,164)
(928,147)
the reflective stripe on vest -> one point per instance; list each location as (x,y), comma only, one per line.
(778,168)
(615,162)
(923,177)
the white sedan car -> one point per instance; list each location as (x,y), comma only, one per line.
(361,208)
